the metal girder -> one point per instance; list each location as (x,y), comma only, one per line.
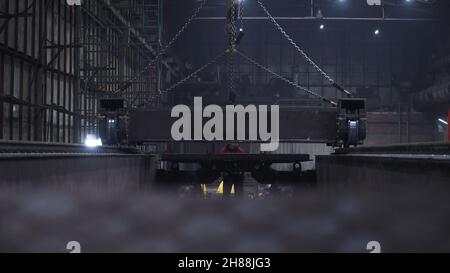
(235,158)
(344,125)
(235,162)
(306,18)
(212,165)
(9,16)
(11,52)
(295,126)
(55,56)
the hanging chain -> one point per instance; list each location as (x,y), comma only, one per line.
(285,79)
(184,27)
(241,14)
(171,88)
(231,72)
(169,44)
(303,53)
(233,36)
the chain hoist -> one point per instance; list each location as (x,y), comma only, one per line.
(295,85)
(188,77)
(303,53)
(235,35)
(164,49)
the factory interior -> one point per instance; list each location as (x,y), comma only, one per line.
(224,126)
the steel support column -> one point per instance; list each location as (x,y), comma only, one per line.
(77,84)
(2,64)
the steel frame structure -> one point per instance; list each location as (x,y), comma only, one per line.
(57,61)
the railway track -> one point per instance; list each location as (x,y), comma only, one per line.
(411,148)
(36,148)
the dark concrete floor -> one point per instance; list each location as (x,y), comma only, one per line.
(311,221)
